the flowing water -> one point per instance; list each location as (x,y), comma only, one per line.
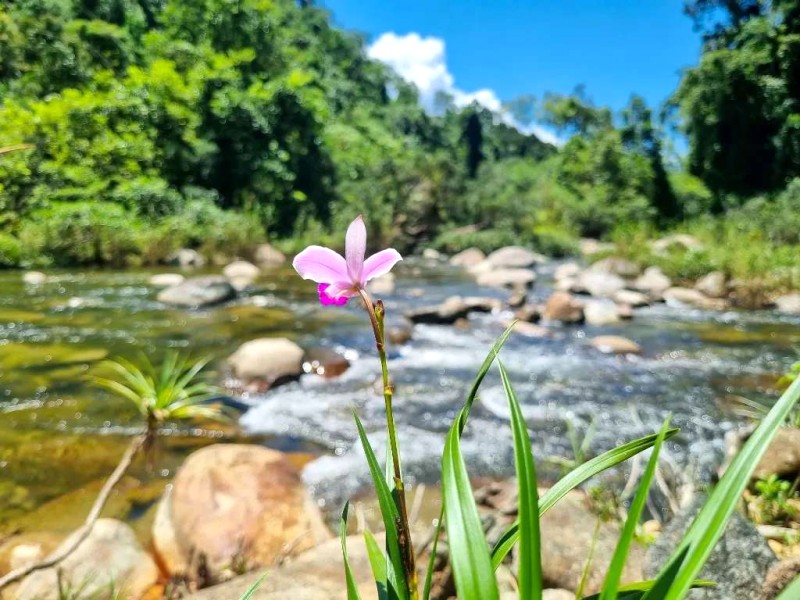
(58,433)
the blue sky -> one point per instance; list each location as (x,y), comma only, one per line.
(511,48)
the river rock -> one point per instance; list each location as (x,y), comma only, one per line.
(568,529)
(383,285)
(616,265)
(34,278)
(269,360)
(652,282)
(531,313)
(565,285)
(445,313)
(467,258)
(111,545)
(432,254)
(317,574)
(789,303)
(241,273)
(615,344)
(27,548)
(511,257)
(508,278)
(738,564)
(565,271)
(713,285)
(683,296)
(601,313)
(561,306)
(598,284)
(267,255)
(557,594)
(681,241)
(400,334)
(631,298)
(236,502)
(532,330)
(517,298)
(166,279)
(186,258)
(782,456)
(778,577)
(325,362)
(590,246)
(198,292)
(625,311)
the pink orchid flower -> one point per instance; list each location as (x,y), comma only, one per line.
(341,278)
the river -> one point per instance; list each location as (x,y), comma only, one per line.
(58,432)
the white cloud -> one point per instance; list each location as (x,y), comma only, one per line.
(422,61)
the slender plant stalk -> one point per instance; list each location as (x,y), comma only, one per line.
(81,534)
(376,316)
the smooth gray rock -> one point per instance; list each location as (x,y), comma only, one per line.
(199,291)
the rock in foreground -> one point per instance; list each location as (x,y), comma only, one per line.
(235,502)
(267,360)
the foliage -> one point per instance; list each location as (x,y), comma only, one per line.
(770,504)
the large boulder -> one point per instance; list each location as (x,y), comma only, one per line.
(561,306)
(198,292)
(110,556)
(512,257)
(266,255)
(598,283)
(507,278)
(235,503)
(652,282)
(680,296)
(616,265)
(267,360)
(317,574)
(713,285)
(738,564)
(788,303)
(615,344)
(241,273)
(468,258)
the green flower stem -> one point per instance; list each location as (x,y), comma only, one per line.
(376,316)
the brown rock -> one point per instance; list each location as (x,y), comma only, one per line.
(517,298)
(399,335)
(782,456)
(111,545)
(532,330)
(561,306)
(617,266)
(681,295)
(532,313)
(625,311)
(713,285)
(267,255)
(241,273)
(780,576)
(325,362)
(652,282)
(631,298)
(267,360)
(615,344)
(467,258)
(232,502)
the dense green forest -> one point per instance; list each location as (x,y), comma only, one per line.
(216,124)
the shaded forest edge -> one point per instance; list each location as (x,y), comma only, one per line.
(163,124)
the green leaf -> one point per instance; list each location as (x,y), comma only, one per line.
(377,561)
(395,571)
(469,553)
(615,568)
(473,392)
(252,589)
(572,480)
(791,591)
(530,563)
(690,556)
(352,588)
(634,591)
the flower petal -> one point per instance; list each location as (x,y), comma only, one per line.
(326,299)
(322,265)
(355,246)
(379,264)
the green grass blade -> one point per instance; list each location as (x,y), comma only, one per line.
(587,566)
(377,561)
(252,589)
(791,591)
(530,563)
(572,480)
(691,554)
(396,580)
(352,588)
(469,553)
(614,573)
(634,591)
(473,393)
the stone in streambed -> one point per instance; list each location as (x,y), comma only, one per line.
(615,344)
(186,258)
(166,279)
(713,285)
(510,257)
(678,296)
(198,292)
(241,274)
(561,306)
(599,284)
(110,556)
(452,309)
(652,282)
(34,278)
(236,502)
(788,303)
(635,299)
(325,362)
(467,258)
(601,313)
(507,278)
(267,360)
(782,456)
(267,255)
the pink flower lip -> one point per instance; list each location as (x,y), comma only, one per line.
(344,276)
